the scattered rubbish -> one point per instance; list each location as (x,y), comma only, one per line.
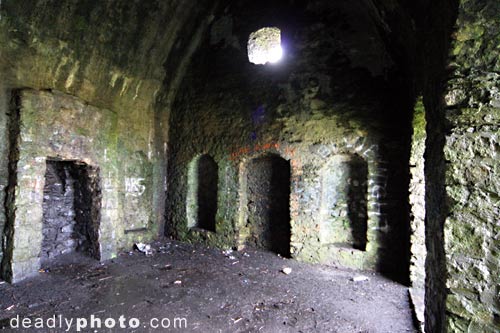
(228,254)
(360,278)
(234,262)
(44,270)
(246,255)
(236,320)
(286,270)
(105,278)
(144,248)
(167,267)
(10,307)
(164,249)
(178,282)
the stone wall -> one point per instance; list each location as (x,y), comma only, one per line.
(326,99)
(434,21)
(461,167)
(59,232)
(472,228)
(417,202)
(4,160)
(122,56)
(71,210)
(54,125)
(110,54)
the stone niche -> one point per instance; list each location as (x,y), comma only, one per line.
(344,202)
(203,181)
(267,201)
(63,191)
(71,209)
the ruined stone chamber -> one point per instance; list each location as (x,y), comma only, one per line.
(369,138)
(311,152)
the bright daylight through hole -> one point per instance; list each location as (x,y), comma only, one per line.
(264,46)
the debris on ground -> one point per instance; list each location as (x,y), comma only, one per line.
(286,270)
(228,254)
(144,248)
(197,286)
(360,278)
(164,249)
(105,278)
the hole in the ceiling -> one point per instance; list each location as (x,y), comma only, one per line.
(264,46)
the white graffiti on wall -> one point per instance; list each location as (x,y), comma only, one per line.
(134,186)
(107,183)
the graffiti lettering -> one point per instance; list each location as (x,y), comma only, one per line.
(133,187)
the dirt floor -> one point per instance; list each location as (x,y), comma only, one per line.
(214,291)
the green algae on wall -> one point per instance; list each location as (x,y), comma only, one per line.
(417,202)
(4,159)
(54,125)
(119,56)
(309,110)
(472,229)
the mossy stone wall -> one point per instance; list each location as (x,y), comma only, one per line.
(472,147)
(54,125)
(322,101)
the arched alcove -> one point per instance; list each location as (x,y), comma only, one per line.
(344,202)
(202,193)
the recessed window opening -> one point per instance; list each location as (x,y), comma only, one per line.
(71,210)
(264,46)
(202,193)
